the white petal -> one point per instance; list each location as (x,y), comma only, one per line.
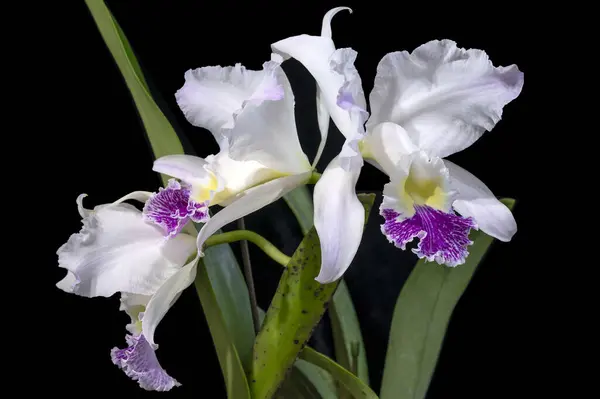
(237,176)
(266,131)
(117,251)
(323,121)
(134,305)
(339,218)
(211,96)
(326,25)
(185,167)
(193,170)
(388,144)
(333,71)
(165,297)
(476,200)
(250,201)
(445,97)
(140,196)
(322,113)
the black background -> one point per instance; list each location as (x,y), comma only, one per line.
(99,148)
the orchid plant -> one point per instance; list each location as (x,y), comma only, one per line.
(425,105)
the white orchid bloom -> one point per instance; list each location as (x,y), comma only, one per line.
(251,115)
(142,256)
(426,105)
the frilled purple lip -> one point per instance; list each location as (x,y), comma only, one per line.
(139,362)
(171,208)
(443,237)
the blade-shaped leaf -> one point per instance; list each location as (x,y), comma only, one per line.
(347,337)
(421,317)
(300,202)
(235,378)
(296,308)
(305,380)
(163,138)
(232,296)
(357,388)
(231,308)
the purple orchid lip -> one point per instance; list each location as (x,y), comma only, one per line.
(139,362)
(443,237)
(171,208)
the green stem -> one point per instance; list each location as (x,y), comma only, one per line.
(314,178)
(237,235)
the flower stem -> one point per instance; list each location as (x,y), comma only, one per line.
(249,278)
(314,178)
(237,235)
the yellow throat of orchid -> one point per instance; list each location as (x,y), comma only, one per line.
(424,191)
(201,192)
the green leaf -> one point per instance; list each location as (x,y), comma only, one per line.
(300,202)
(229,314)
(320,379)
(344,322)
(235,379)
(296,308)
(305,380)
(357,388)
(163,138)
(421,317)
(232,295)
(347,338)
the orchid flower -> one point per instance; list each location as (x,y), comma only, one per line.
(251,116)
(425,106)
(137,254)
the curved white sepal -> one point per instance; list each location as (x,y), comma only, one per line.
(165,297)
(474,199)
(339,218)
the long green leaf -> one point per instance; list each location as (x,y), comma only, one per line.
(357,388)
(421,317)
(347,337)
(300,202)
(163,138)
(232,295)
(232,306)
(235,378)
(296,308)
(305,380)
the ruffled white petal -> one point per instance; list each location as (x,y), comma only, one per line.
(265,131)
(339,216)
(476,200)
(117,251)
(444,96)
(165,297)
(211,96)
(250,201)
